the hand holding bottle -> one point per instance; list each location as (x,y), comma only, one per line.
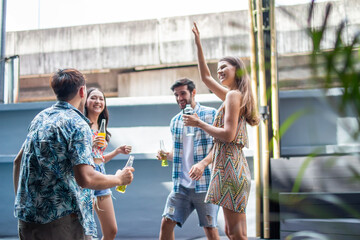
(125,175)
(188,110)
(191,120)
(100,139)
(162,154)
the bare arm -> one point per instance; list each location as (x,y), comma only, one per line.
(231,118)
(16,169)
(122,149)
(87,177)
(205,74)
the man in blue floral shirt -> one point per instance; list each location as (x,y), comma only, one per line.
(189,192)
(54,167)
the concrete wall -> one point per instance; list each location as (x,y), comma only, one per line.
(158,82)
(319,129)
(167,40)
(120,57)
(127,59)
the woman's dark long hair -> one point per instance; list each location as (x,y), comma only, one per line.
(248,108)
(103,115)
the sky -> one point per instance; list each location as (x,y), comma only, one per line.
(39,14)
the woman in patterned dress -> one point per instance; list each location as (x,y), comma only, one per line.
(96,110)
(230,177)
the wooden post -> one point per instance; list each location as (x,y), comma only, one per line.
(274,85)
(264,121)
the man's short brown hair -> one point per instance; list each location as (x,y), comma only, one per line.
(66,83)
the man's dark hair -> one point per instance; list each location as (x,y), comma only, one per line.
(184,82)
(66,83)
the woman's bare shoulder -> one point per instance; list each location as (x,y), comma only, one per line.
(233,95)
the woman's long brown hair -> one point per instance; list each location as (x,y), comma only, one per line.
(248,109)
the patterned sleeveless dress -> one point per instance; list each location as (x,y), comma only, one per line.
(230,177)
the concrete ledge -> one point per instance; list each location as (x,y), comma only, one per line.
(331,229)
(332,215)
(25,106)
(310,93)
(158,100)
(320,150)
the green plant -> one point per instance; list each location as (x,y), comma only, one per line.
(338,66)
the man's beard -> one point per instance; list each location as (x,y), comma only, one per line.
(186,102)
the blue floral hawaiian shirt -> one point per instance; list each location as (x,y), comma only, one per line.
(203,143)
(59,138)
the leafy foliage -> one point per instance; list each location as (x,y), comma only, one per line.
(341,67)
(340,64)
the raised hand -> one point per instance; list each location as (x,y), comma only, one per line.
(125,149)
(196,32)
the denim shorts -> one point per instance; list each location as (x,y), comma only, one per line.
(104,192)
(180,205)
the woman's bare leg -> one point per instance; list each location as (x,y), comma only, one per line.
(106,214)
(235,225)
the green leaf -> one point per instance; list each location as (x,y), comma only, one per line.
(291,119)
(303,168)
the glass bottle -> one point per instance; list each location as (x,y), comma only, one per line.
(188,110)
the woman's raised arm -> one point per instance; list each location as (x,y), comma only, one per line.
(204,70)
